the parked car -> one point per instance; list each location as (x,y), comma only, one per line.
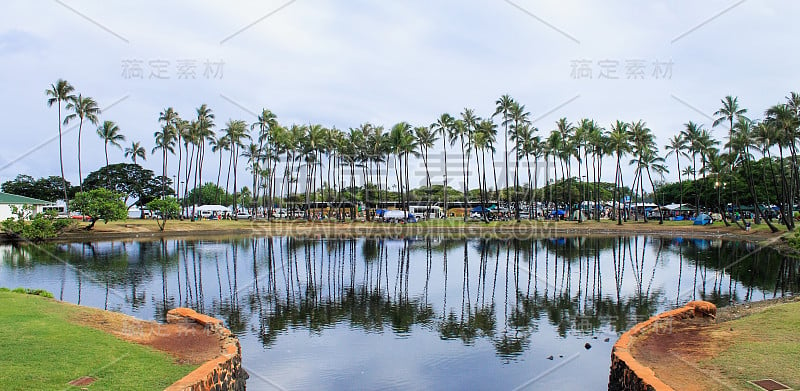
(243,215)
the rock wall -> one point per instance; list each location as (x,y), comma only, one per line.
(629,374)
(224,372)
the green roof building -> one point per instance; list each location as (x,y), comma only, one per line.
(9,201)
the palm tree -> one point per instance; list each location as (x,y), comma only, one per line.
(110,133)
(443,127)
(253,155)
(425,141)
(650,161)
(236,132)
(520,119)
(619,138)
(165,141)
(134,151)
(59,92)
(729,112)
(202,132)
(677,146)
(459,132)
(504,106)
(643,144)
(564,152)
(741,142)
(785,121)
(692,136)
(218,145)
(83,109)
(266,122)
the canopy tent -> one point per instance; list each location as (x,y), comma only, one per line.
(480,209)
(679,208)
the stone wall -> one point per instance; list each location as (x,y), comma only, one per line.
(224,372)
(629,374)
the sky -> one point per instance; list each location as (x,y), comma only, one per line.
(345,63)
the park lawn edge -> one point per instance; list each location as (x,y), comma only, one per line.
(43,349)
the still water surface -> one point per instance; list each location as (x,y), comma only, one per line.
(410,313)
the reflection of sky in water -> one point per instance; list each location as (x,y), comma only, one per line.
(558,297)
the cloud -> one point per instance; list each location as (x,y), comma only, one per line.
(342,64)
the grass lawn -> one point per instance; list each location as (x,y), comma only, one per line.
(767,345)
(42,350)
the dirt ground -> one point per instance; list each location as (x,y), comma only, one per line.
(675,353)
(188,343)
(148,230)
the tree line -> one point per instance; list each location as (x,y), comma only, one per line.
(355,165)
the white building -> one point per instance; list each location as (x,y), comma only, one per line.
(9,201)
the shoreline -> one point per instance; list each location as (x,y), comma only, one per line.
(147,230)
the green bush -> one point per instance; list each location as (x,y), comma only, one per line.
(34,226)
(28,291)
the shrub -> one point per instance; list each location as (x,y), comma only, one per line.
(34,226)
(28,291)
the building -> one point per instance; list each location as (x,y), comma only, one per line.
(9,201)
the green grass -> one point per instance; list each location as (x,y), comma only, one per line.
(42,350)
(769,348)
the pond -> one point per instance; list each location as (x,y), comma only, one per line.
(412,312)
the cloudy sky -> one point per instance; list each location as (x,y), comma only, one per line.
(344,63)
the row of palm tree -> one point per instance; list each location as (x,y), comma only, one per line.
(352,166)
(84,109)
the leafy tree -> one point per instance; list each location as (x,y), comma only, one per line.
(100,204)
(164,209)
(208,194)
(130,180)
(47,188)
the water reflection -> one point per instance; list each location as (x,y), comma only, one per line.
(466,291)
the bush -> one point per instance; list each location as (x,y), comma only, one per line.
(34,227)
(27,291)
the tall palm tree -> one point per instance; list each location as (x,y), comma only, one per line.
(165,141)
(83,109)
(520,118)
(565,152)
(443,127)
(785,122)
(219,145)
(202,132)
(110,133)
(692,134)
(458,132)
(504,106)
(253,155)
(134,151)
(619,140)
(266,122)
(677,146)
(425,141)
(60,91)
(729,112)
(236,132)
(643,143)
(741,142)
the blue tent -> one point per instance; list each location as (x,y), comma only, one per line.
(702,219)
(559,212)
(479,209)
